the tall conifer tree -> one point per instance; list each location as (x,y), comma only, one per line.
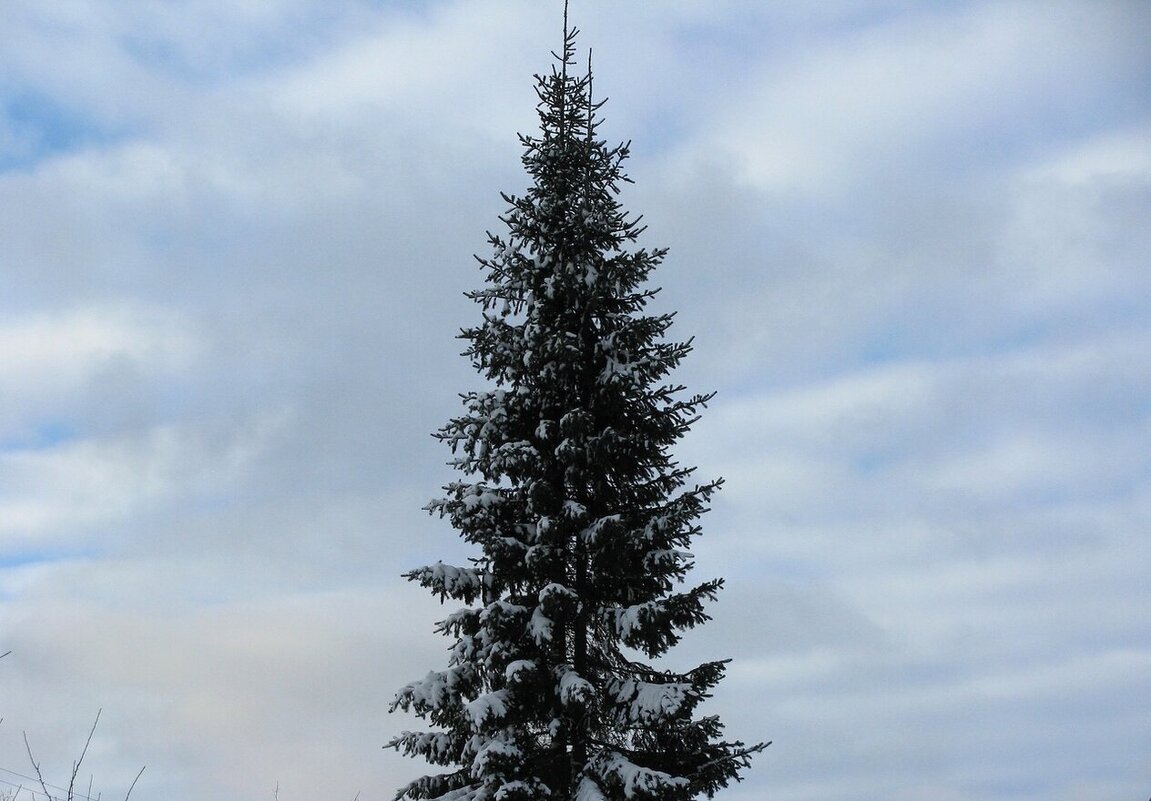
(580,514)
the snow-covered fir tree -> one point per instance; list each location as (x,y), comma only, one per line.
(579,512)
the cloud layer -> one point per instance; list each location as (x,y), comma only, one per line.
(911,239)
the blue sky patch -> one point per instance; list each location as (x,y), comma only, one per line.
(47,434)
(36,127)
(14,559)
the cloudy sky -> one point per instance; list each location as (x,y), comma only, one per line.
(912,240)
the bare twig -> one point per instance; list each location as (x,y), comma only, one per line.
(70,793)
(36,767)
(78,762)
(133,785)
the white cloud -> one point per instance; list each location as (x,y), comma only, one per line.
(882,102)
(67,346)
(50,360)
(1113,156)
(412,64)
(909,237)
(66,489)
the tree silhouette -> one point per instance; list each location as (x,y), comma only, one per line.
(580,513)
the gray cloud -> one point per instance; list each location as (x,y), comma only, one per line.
(910,238)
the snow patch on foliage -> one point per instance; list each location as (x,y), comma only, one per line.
(481,498)
(574,509)
(493,750)
(514,669)
(588,790)
(555,588)
(451,580)
(436,689)
(540,627)
(629,619)
(648,702)
(574,688)
(592,533)
(490,706)
(501,608)
(434,746)
(636,779)
(462,794)
(513,789)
